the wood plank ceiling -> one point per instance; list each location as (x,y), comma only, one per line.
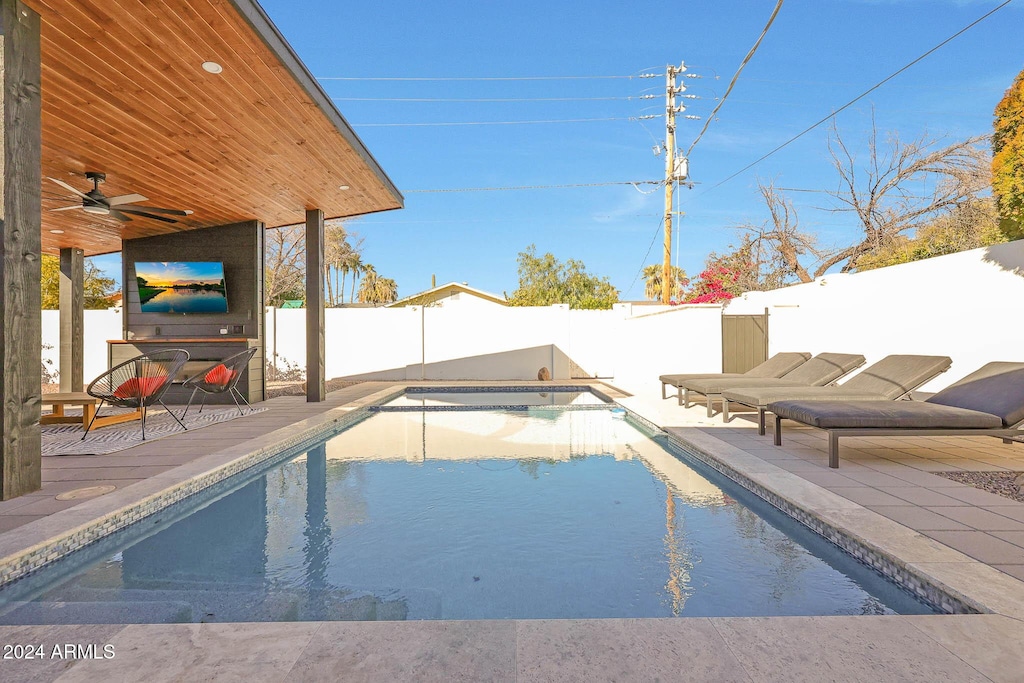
(124,93)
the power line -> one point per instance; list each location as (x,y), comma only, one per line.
(750,54)
(639,272)
(491,99)
(861,96)
(634,183)
(504,123)
(483,78)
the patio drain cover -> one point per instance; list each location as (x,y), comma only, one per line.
(87,492)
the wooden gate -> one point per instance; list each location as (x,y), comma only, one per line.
(744,341)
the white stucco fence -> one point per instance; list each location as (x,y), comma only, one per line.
(966,306)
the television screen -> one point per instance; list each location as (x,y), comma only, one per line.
(182,287)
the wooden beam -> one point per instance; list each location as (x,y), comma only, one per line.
(315,347)
(72,319)
(20,250)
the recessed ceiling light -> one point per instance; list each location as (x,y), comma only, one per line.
(57,232)
(343,187)
(213,67)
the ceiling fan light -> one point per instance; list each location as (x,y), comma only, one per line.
(98,210)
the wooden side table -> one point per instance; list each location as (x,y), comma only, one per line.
(88,403)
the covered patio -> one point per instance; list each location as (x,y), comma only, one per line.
(197,113)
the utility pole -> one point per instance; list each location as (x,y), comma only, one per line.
(672,172)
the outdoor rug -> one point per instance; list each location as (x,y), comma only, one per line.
(66,439)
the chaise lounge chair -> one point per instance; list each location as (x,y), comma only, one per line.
(889,379)
(776,366)
(989,402)
(819,371)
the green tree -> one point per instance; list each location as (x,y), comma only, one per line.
(97,288)
(969,226)
(543,281)
(1008,159)
(652,281)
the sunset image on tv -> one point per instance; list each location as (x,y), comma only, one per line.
(182,287)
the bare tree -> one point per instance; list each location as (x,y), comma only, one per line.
(901,186)
(284,277)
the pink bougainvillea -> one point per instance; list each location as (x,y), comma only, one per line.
(712,286)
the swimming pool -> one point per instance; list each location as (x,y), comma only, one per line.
(538,513)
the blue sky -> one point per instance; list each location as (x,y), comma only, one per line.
(818,55)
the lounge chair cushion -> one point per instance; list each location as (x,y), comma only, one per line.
(776,366)
(894,376)
(996,388)
(824,368)
(889,378)
(716,385)
(818,371)
(762,396)
(677,380)
(883,415)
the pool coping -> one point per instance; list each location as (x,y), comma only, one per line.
(942,576)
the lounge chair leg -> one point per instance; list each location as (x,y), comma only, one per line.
(760,421)
(711,412)
(173,415)
(684,396)
(778,430)
(190,399)
(663,396)
(239,395)
(725,409)
(833,450)
(89,426)
(232,392)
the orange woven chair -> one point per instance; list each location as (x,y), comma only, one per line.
(219,378)
(138,383)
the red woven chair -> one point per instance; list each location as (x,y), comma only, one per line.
(138,383)
(219,378)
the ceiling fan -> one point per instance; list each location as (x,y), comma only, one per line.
(95,202)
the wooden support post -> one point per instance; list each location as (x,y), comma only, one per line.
(72,320)
(315,348)
(20,249)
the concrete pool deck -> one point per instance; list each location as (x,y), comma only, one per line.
(884,492)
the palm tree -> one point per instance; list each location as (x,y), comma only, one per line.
(386,290)
(375,289)
(652,286)
(367,286)
(356,267)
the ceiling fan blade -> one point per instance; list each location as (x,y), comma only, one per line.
(120,216)
(68,187)
(67,208)
(143,213)
(154,209)
(125,199)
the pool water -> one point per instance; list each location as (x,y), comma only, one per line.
(482,399)
(463,515)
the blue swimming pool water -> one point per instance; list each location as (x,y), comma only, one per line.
(428,399)
(463,515)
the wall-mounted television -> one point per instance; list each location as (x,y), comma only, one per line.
(182,286)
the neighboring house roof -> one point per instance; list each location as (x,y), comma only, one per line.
(443,291)
(293,303)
